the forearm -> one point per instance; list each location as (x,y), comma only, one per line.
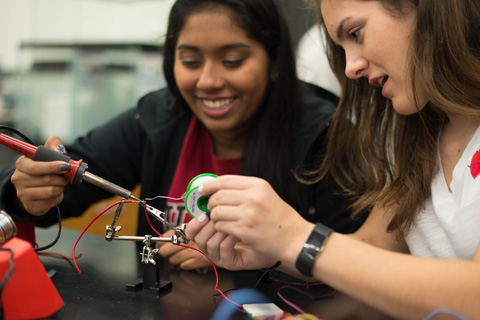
(290,269)
(399,284)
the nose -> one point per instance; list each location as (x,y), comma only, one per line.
(356,65)
(210,77)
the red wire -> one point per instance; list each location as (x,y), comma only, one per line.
(148,219)
(88,226)
(216,277)
(151,226)
(57,255)
(213,265)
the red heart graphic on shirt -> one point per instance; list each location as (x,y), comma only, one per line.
(475,164)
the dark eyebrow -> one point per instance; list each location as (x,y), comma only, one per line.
(340,28)
(227,46)
(186,46)
(236,45)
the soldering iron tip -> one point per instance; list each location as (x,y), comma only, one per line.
(135,198)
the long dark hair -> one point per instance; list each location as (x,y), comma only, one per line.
(269,153)
(393,158)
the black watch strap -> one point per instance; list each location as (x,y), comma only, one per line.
(311,248)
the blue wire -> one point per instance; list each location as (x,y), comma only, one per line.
(440,311)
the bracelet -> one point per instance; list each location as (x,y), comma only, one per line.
(311,248)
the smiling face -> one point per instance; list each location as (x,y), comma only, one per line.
(221,72)
(376,45)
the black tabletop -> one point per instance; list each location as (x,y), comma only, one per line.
(100,290)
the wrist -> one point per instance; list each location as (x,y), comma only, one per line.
(290,248)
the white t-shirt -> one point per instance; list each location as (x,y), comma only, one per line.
(449,227)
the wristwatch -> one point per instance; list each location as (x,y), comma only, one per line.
(311,248)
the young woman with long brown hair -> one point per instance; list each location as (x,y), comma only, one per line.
(409,124)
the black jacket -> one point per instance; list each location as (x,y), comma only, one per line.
(142,146)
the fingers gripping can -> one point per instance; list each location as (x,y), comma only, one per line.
(195,203)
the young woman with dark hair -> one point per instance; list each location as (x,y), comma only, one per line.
(233,106)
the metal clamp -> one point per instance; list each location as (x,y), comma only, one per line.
(148,252)
(161,216)
(111,230)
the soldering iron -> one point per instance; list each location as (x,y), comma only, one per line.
(78,171)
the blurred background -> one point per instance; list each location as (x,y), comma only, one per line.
(67,66)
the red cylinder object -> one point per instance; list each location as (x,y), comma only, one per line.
(21,147)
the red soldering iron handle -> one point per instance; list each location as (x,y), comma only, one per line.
(18,146)
(75,175)
(41,153)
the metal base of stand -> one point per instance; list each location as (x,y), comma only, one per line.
(161,287)
(151,280)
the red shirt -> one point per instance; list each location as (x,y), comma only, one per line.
(196,157)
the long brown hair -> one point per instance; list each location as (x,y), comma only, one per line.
(392,158)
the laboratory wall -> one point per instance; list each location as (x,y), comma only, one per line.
(67,66)
(77,21)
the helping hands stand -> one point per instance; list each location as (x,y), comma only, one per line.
(149,255)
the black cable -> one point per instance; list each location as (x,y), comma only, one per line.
(24,137)
(264,273)
(10,271)
(58,233)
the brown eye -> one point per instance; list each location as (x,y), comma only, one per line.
(355,34)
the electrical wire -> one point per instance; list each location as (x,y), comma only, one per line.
(448,312)
(153,228)
(151,225)
(211,262)
(165,197)
(51,244)
(292,286)
(291,304)
(26,139)
(10,272)
(88,226)
(287,316)
(216,278)
(158,233)
(60,256)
